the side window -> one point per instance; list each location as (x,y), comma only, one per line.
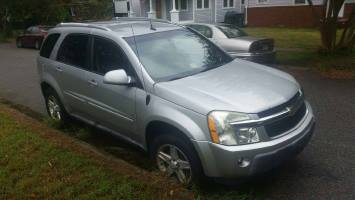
(74,51)
(108,56)
(48,45)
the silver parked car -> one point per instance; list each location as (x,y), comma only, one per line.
(175,94)
(237,42)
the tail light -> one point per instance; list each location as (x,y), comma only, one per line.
(262,45)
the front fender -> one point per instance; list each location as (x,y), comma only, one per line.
(192,124)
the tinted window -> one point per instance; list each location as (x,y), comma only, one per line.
(176,54)
(108,56)
(48,45)
(74,50)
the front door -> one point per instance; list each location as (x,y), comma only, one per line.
(113,105)
(158,8)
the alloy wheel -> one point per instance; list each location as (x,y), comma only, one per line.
(172,161)
(54,109)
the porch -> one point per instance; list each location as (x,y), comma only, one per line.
(172,10)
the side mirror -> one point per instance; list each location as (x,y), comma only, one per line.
(118,77)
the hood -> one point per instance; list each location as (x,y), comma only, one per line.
(239,86)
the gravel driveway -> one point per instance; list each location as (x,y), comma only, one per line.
(325,169)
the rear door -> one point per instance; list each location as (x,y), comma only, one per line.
(113,105)
(72,68)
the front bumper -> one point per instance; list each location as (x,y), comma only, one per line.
(265,57)
(225,161)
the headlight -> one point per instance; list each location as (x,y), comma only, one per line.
(223,132)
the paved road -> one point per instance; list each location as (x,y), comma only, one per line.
(18,76)
(326,168)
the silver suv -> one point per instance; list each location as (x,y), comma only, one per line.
(175,94)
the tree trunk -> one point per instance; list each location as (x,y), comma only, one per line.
(329,24)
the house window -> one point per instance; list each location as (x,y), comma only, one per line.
(243,2)
(262,1)
(203,4)
(181,5)
(300,1)
(228,3)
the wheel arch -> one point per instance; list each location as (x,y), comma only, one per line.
(50,83)
(156,128)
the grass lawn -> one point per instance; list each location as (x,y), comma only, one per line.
(32,167)
(298,47)
(36,166)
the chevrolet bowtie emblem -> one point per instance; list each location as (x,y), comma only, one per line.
(291,110)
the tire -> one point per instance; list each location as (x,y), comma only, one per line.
(54,106)
(19,43)
(184,148)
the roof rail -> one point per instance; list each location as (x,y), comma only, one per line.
(83,25)
(139,19)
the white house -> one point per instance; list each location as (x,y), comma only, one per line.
(289,13)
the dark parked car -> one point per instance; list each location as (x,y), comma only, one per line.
(33,37)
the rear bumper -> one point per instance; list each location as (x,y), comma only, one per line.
(265,57)
(224,161)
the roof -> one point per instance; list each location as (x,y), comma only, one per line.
(126,27)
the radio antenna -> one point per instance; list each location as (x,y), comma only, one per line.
(151,25)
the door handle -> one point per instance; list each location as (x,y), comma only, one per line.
(93,83)
(59,69)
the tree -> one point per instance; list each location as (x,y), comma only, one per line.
(20,14)
(328,19)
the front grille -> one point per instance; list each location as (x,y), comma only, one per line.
(281,126)
(288,122)
(297,97)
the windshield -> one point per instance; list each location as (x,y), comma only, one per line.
(176,54)
(231,31)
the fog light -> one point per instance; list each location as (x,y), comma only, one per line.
(243,162)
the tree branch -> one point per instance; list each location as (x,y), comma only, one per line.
(349,26)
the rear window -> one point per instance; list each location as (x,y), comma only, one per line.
(48,45)
(231,31)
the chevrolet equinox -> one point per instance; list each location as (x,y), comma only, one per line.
(171,91)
